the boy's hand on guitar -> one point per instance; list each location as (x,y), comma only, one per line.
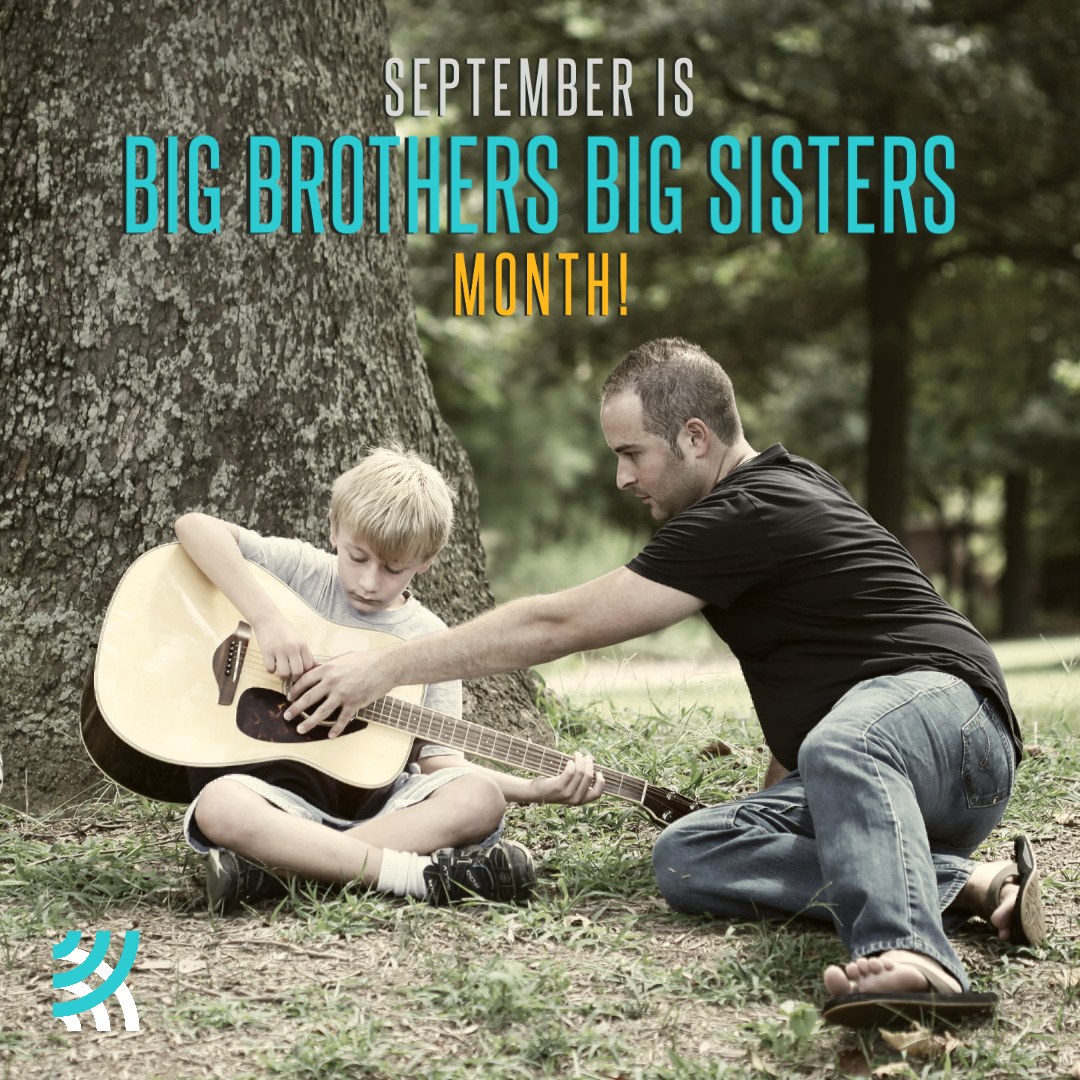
(579,783)
(285,651)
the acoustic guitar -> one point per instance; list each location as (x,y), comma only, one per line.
(178,681)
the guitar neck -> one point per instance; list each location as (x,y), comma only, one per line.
(485,742)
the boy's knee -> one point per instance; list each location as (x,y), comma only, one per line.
(493,802)
(479,799)
(219,813)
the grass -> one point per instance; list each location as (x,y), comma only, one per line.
(595,979)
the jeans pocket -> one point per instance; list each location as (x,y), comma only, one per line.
(988,760)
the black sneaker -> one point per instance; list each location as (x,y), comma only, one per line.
(504,871)
(232,881)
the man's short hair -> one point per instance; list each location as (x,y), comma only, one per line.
(677,380)
(396,502)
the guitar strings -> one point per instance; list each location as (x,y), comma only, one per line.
(433,727)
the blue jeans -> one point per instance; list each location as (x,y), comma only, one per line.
(895,788)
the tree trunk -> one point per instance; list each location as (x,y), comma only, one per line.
(889,326)
(145,375)
(1017,586)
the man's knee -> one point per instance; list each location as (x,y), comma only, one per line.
(685,851)
(838,749)
(825,747)
(669,859)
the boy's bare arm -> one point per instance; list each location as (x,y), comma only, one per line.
(609,609)
(213,545)
(579,783)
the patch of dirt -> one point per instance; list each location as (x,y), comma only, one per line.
(245,971)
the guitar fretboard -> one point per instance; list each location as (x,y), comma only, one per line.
(486,742)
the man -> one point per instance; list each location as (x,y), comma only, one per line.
(887,707)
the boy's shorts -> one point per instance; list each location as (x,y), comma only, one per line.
(409,789)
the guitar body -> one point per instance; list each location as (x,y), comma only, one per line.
(154,710)
(179,682)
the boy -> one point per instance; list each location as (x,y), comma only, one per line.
(435,832)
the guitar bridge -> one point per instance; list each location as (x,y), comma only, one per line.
(228,661)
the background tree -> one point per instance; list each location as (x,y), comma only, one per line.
(144,375)
(845,322)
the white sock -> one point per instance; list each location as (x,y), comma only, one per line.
(402,873)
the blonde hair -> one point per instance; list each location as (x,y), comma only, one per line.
(396,502)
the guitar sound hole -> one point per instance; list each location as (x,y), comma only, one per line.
(260,714)
(321,731)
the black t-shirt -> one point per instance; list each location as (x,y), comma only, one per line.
(811,595)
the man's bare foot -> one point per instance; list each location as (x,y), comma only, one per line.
(892,971)
(974,898)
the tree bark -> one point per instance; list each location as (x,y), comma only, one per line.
(146,375)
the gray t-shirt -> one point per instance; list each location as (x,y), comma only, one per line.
(312,575)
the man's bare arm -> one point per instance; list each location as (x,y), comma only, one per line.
(533,630)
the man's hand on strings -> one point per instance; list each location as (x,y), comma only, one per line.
(347,683)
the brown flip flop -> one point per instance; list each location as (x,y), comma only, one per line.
(1028,923)
(882,1008)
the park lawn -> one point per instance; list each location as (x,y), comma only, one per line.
(594,979)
